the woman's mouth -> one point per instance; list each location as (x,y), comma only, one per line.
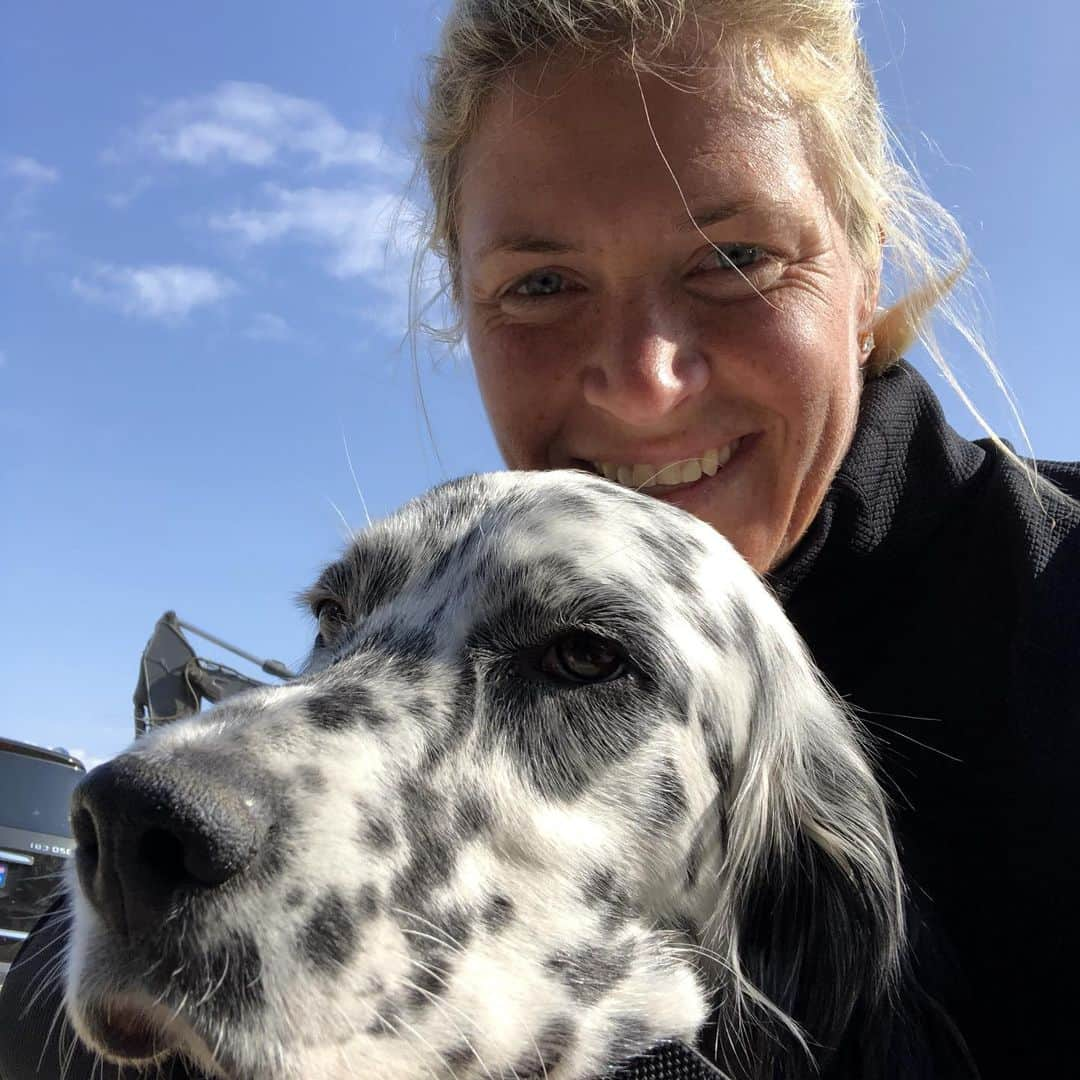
(665,478)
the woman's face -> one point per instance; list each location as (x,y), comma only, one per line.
(682,313)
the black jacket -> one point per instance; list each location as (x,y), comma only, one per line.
(942,600)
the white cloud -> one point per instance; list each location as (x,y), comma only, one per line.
(252,124)
(353,224)
(31,171)
(168,292)
(368,234)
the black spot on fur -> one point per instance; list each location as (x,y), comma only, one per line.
(380,567)
(680,579)
(720,767)
(436,945)
(472,815)
(440,564)
(428,984)
(344,708)
(675,545)
(311,779)
(716,724)
(431,862)
(367,903)
(331,935)
(601,886)
(404,649)
(744,626)
(277,846)
(377,832)
(234,968)
(709,629)
(387,1019)
(669,803)
(434,936)
(455,925)
(459,710)
(423,706)
(416,646)
(498,913)
(589,972)
(421,802)
(551,1045)
(581,508)
(694,858)
(602,889)
(294,897)
(459,1057)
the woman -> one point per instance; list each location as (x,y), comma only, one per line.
(663,224)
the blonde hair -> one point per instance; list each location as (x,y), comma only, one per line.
(803,55)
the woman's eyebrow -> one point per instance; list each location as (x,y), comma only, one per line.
(713,213)
(528,243)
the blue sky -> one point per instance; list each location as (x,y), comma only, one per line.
(199,309)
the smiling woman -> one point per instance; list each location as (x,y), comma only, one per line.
(668,228)
(617,318)
(665,225)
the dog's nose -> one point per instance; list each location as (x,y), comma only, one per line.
(149,836)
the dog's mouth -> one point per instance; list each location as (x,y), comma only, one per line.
(130,1032)
(133,1032)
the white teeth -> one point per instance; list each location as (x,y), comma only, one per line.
(671,474)
(645,477)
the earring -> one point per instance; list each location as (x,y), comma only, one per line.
(866,344)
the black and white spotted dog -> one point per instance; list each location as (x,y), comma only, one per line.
(559,781)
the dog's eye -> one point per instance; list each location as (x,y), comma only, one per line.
(332,618)
(582,657)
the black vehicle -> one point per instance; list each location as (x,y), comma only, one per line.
(35,836)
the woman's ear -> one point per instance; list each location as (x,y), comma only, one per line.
(867,313)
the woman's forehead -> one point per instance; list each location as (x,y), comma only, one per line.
(601,140)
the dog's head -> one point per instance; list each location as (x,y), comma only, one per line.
(558,779)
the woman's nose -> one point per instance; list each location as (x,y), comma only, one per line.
(644,369)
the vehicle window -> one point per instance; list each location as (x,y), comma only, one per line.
(34,794)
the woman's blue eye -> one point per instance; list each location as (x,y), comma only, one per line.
(735,256)
(545,283)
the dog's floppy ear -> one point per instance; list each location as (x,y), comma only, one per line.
(811,914)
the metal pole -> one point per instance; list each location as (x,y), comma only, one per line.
(271,667)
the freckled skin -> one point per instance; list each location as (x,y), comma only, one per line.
(649,347)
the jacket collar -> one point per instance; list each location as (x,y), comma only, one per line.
(904,470)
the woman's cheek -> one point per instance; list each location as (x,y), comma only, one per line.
(524,388)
